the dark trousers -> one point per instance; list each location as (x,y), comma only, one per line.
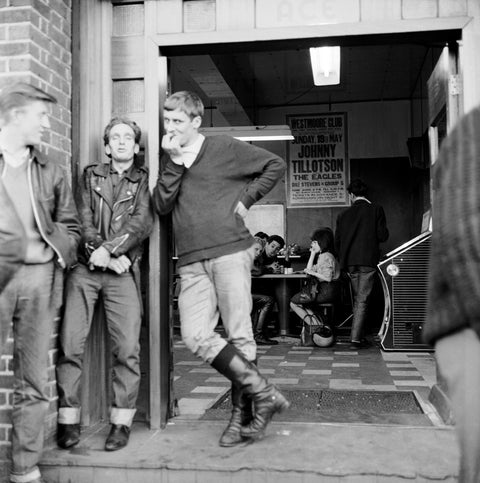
(29,301)
(262,305)
(362,279)
(123,319)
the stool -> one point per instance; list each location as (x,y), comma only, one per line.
(327,312)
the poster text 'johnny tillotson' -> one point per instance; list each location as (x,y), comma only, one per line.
(318,162)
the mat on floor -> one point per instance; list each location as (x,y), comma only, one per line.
(337,406)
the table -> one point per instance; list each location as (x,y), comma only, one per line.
(282,294)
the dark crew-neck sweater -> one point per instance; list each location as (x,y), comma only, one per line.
(203,197)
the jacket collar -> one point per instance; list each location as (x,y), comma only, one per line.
(133,174)
(362,198)
(35,155)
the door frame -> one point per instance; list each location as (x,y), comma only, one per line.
(161,350)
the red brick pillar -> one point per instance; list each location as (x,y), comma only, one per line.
(35,47)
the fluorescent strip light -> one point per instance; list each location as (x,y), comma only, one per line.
(325,65)
(252,133)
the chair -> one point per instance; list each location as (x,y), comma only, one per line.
(338,314)
(327,312)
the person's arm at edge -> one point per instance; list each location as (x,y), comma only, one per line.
(168,185)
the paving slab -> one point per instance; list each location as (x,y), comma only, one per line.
(304,451)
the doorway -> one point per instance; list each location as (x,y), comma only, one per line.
(383,91)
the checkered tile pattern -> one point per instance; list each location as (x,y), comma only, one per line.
(198,386)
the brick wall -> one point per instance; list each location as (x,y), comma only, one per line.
(35,47)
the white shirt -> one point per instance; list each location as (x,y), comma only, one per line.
(190,153)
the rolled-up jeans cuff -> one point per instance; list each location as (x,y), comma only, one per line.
(69,415)
(26,477)
(122,416)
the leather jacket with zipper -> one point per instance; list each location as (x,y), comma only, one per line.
(119,226)
(53,206)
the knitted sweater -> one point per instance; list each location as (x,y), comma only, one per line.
(454,274)
(203,197)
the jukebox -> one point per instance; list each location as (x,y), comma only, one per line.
(404,278)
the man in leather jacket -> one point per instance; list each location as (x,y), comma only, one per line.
(38,208)
(116,215)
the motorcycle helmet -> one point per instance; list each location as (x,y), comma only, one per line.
(323,336)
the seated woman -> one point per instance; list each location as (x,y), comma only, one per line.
(322,265)
(262,303)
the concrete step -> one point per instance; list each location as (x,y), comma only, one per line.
(188,451)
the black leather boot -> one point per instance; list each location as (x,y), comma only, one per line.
(267,399)
(241,416)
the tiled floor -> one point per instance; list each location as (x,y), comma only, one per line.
(197,386)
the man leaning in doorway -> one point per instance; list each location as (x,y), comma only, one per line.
(38,193)
(360,229)
(116,215)
(209,183)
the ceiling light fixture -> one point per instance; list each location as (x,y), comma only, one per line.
(325,65)
(252,133)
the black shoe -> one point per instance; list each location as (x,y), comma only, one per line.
(68,435)
(262,340)
(117,438)
(363,344)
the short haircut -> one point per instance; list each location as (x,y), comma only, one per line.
(20,94)
(187,101)
(324,237)
(357,187)
(261,234)
(121,120)
(276,238)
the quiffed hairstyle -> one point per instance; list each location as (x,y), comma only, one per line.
(187,101)
(357,187)
(276,238)
(324,238)
(20,94)
(122,120)
(261,241)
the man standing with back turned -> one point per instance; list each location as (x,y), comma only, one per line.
(38,193)
(210,183)
(360,230)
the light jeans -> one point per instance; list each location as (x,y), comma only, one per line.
(458,357)
(362,280)
(218,287)
(29,301)
(123,319)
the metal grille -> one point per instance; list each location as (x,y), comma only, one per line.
(409,294)
(311,402)
(373,401)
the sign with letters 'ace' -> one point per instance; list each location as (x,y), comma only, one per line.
(318,167)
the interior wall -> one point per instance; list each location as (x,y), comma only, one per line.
(377,146)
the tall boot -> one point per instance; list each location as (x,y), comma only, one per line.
(241,416)
(267,399)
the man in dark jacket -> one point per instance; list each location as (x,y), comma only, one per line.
(210,183)
(116,216)
(360,229)
(453,312)
(39,208)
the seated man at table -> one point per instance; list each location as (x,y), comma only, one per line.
(262,303)
(268,258)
